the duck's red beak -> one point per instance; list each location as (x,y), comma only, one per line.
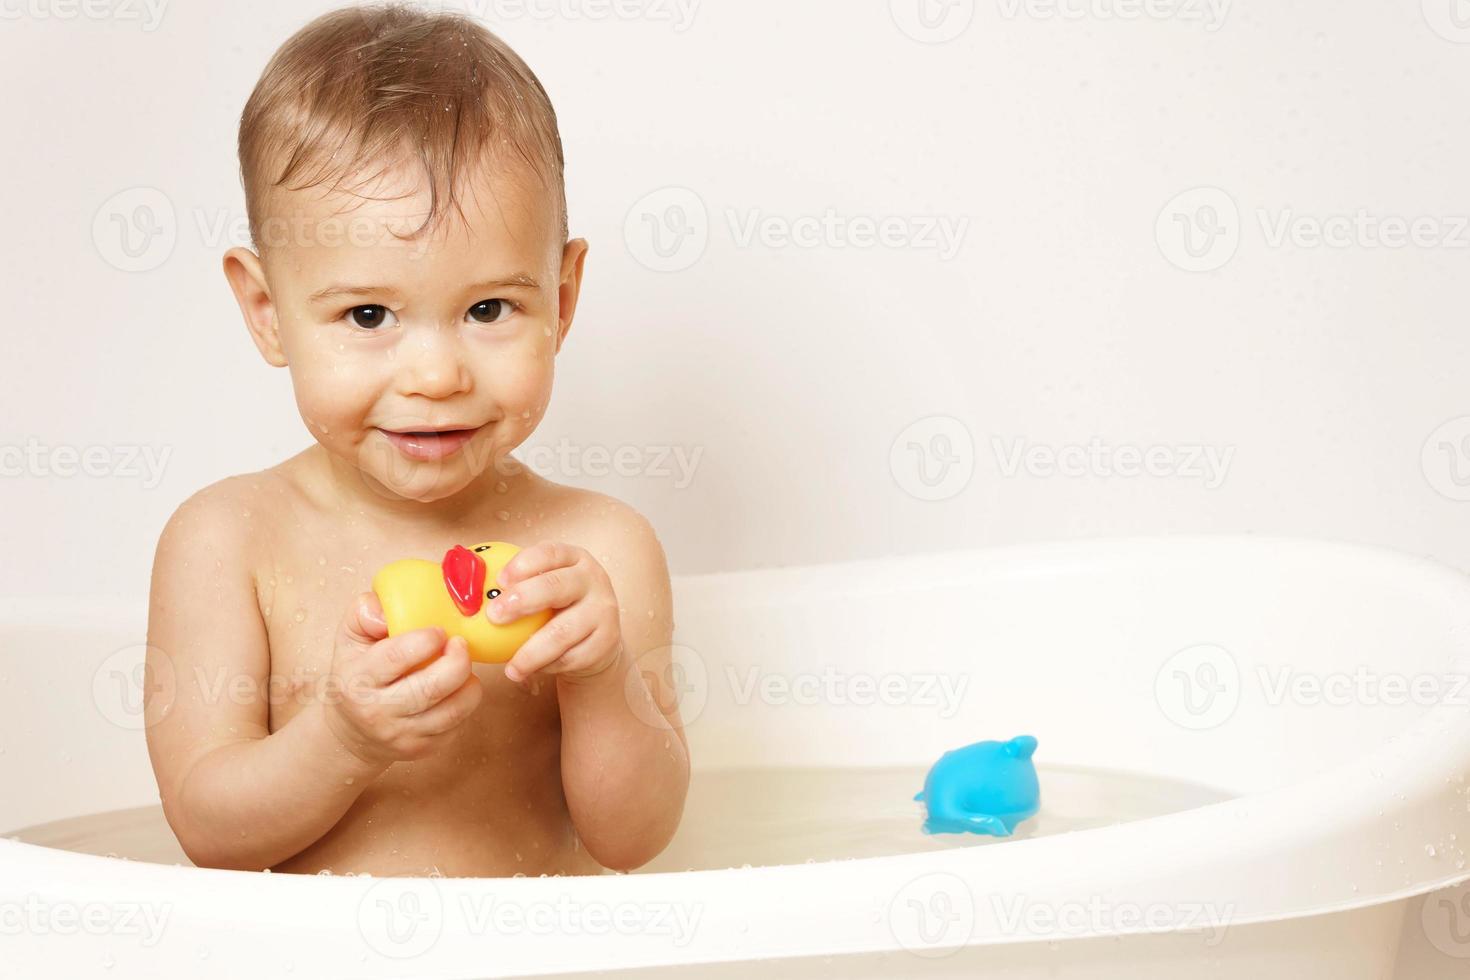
(464,576)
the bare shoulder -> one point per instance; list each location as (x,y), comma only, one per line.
(617,535)
(604,525)
(222,524)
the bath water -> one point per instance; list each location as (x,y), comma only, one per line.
(738,817)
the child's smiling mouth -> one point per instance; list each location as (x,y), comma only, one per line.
(430,444)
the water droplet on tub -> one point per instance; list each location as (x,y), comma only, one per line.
(1429,849)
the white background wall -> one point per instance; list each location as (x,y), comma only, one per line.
(1058,142)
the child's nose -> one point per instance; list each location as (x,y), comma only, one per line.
(433,366)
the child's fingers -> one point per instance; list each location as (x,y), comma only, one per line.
(538,559)
(557,588)
(364,623)
(452,710)
(390,659)
(422,689)
(562,632)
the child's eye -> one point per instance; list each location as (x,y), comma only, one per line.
(491,310)
(371,317)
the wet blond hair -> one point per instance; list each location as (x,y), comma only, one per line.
(361,89)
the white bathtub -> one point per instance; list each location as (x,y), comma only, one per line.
(1349,804)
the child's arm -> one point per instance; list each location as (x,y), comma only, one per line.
(624,757)
(235,794)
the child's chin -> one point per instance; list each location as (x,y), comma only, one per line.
(435,487)
(423,484)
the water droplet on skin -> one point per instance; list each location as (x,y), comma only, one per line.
(299,615)
(502,515)
(501,487)
(350,780)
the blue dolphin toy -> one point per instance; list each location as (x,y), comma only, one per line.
(985,788)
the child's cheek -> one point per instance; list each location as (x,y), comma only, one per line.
(522,388)
(335,389)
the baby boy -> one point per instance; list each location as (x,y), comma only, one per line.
(412,271)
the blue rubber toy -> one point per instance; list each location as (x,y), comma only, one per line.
(985,788)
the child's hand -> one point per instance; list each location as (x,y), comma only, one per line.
(383,709)
(583,636)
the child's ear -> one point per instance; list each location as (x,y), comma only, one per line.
(569,287)
(247,280)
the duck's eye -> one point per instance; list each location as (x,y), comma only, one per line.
(483,547)
(371,316)
(492,593)
(491,310)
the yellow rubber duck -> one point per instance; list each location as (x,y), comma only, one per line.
(452,594)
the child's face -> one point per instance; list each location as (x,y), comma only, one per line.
(420,362)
